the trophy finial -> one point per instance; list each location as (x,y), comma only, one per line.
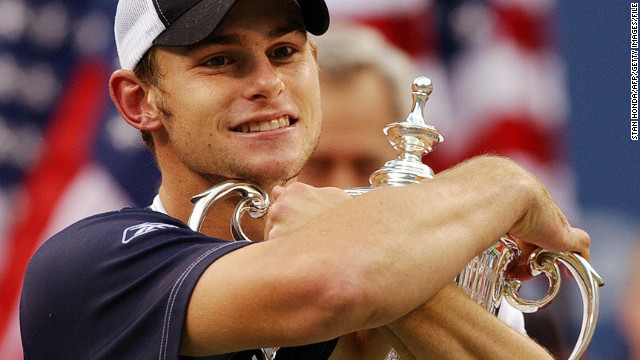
(412,139)
(422,86)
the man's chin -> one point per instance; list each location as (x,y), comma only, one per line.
(268,177)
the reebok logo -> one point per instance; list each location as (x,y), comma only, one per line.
(133,232)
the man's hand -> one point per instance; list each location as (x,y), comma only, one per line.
(540,224)
(546,226)
(294,205)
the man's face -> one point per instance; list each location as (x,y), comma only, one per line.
(352,145)
(245,103)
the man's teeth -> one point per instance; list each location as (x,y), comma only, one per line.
(278,123)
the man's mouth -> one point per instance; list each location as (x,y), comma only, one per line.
(259,126)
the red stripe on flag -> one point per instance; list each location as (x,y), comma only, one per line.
(516,133)
(415,31)
(530,30)
(505,135)
(68,143)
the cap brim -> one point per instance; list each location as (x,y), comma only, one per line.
(202,20)
(196,24)
(316,15)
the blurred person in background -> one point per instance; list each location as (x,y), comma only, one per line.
(365,84)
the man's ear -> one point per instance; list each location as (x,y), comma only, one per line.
(314,49)
(132,98)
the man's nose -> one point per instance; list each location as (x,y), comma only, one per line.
(265,81)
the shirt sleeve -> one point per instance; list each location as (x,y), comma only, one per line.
(114,286)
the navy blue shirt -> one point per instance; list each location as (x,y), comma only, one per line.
(117,286)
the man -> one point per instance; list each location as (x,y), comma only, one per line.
(229,89)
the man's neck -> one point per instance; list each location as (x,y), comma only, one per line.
(180,184)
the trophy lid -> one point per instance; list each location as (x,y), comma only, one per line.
(412,138)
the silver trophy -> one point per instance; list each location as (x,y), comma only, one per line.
(485,278)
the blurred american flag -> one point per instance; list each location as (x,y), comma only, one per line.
(64,152)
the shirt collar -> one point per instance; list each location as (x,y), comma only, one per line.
(157,205)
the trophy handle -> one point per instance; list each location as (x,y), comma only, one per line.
(254,201)
(545,262)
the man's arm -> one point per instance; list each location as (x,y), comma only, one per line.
(449,326)
(371,344)
(453,326)
(322,275)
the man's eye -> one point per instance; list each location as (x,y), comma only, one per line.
(282,52)
(217,61)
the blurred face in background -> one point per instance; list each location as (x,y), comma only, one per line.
(355,109)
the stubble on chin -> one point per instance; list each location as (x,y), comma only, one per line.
(264,176)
